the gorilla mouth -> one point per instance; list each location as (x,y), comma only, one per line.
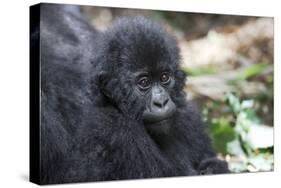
(161,122)
(158,118)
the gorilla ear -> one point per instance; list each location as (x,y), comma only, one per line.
(103,79)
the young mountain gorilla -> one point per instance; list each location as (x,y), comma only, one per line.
(113,105)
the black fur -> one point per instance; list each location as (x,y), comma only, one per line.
(90,113)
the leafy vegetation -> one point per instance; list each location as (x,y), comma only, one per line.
(251,71)
(199,71)
(240,135)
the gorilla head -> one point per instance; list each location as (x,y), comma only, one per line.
(140,72)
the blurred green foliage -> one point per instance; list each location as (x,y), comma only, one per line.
(199,71)
(253,70)
(239,134)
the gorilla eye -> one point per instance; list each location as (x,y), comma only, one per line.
(165,78)
(144,82)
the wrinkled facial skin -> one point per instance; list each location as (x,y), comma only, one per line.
(146,93)
(154,89)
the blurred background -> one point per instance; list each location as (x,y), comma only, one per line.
(229,63)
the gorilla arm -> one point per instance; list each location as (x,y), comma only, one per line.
(201,153)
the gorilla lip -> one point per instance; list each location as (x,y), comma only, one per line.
(151,118)
(166,120)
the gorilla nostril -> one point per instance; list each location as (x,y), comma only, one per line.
(160,104)
(157,104)
(165,102)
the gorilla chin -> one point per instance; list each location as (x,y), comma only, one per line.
(159,128)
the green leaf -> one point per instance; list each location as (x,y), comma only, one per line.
(199,71)
(234,148)
(221,132)
(261,163)
(233,102)
(247,104)
(251,71)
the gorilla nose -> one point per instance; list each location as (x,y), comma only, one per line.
(160,103)
(161,107)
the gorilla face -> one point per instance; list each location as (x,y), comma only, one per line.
(154,88)
(144,95)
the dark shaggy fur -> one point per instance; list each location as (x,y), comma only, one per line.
(90,114)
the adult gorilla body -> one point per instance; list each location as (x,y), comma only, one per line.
(112,103)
